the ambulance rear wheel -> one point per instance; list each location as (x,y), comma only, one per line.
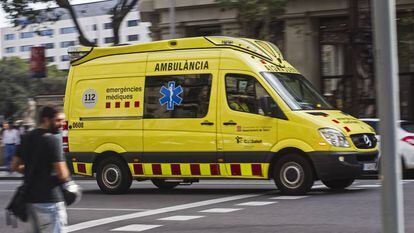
(113,176)
(162,184)
(338,184)
(293,175)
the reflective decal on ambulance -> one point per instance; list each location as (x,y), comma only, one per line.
(171,95)
(240,170)
(181,66)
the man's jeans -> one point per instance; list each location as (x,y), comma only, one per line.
(47,217)
(10,150)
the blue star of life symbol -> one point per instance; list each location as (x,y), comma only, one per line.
(171,95)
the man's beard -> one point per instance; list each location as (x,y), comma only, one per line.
(54,130)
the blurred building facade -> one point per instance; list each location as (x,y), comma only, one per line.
(58,36)
(329,41)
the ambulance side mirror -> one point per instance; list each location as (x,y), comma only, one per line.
(270,108)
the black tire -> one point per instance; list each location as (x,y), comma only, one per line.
(293,175)
(113,176)
(406,173)
(338,184)
(162,184)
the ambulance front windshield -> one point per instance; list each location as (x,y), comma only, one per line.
(296,91)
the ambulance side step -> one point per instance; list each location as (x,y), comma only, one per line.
(182,181)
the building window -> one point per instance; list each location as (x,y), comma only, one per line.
(47,32)
(109,40)
(333,59)
(9,50)
(64,58)
(95,41)
(133,37)
(26,35)
(245,93)
(94,27)
(107,25)
(133,23)
(48,45)
(65,44)
(9,37)
(25,48)
(190,92)
(405,32)
(50,59)
(67,30)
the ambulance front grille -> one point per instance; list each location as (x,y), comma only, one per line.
(364,141)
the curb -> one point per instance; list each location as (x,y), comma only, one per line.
(75,178)
(11,178)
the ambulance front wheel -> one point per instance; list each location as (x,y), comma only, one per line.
(113,176)
(293,175)
(338,184)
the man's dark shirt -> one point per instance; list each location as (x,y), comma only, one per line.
(39,150)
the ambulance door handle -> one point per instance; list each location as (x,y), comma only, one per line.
(206,122)
(229,123)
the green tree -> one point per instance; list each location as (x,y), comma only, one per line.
(16,85)
(22,9)
(256,18)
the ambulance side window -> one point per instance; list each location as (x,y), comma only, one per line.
(245,94)
(177,96)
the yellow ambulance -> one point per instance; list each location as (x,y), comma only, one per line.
(177,111)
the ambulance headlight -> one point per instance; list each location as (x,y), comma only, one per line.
(334,137)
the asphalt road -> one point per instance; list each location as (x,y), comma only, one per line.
(226,206)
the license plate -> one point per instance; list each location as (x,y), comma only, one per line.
(370,166)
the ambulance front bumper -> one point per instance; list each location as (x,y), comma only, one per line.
(343,165)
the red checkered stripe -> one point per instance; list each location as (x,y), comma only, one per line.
(200,169)
(125,104)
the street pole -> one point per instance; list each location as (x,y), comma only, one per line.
(172,19)
(389,112)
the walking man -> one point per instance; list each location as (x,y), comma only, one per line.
(41,160)
(10,139)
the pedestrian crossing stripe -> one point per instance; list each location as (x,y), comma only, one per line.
(238,170)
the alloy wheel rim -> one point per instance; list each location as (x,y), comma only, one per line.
(111,176)
(292,175)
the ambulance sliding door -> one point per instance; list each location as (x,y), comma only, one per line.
(180,101)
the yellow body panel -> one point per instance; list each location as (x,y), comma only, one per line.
(105,101)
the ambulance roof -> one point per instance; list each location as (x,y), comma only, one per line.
(262,49)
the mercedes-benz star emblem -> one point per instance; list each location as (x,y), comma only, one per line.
(367,141)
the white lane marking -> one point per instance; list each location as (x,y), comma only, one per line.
(354,188)
(107,209)
(287,197)
(257,203)
(318,186)
(220,210)
(180,218)
(136,227)
(9,190)
(102,221)
(368,186)
(11,182)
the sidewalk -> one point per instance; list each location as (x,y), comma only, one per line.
(5,175)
